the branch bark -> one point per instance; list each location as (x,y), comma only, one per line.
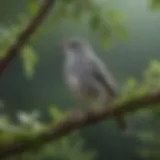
(80,119)
(25,35)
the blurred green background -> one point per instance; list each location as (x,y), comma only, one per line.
(125,59)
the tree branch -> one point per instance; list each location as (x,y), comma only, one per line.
(80,119)
(25,35)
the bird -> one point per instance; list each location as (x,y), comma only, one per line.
(87,76)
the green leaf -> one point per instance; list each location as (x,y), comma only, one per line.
(106,34)
(115,16)
(146,136)
(132,83)
(33,6)
(107,42)
(152,74)
(121,31)
(94,22)
(55,113)
(155,65)
(155,4)
(59,13)
(77,9)
(30,59)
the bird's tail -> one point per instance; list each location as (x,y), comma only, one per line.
(119,118)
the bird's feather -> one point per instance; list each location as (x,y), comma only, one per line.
(100,73)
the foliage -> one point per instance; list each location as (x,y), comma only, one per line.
(8,37)
(29,125)
(151,137)
(148,137)
(107,22)
(30,59)
(155,4)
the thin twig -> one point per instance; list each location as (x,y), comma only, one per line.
(15,48)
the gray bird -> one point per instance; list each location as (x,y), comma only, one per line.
(87,76)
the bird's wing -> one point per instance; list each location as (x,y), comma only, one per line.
(102,75)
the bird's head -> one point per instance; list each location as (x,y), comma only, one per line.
(75,46)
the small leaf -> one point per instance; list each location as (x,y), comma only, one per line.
(55,113)
(121,31)
(77,10)
(106,34)
(60,12)
(115,16)
(107,42)
(155,65)
(132,83)
(30,59)
(33,6)
(155,4)
(146,136)
(94,22)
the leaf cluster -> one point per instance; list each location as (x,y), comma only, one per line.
(29,126)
